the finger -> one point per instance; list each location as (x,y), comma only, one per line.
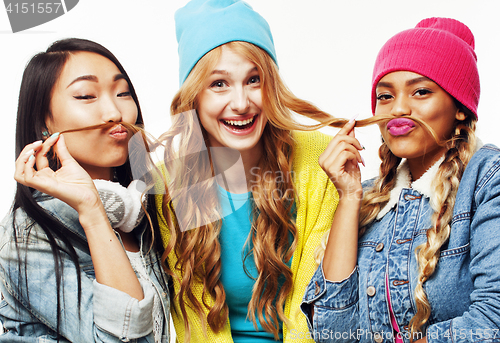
(347,127)
(41,156)
(338,144)
(31,148)
(28,151)
(61,150)
(29,170)
(342,158)
(341,165)
(339,139)
(334,157)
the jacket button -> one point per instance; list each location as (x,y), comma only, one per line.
(371,291)
(378,337)
(379,247)
(317,289)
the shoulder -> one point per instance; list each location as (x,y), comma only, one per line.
(484,163)
(311,139)
(482,175)
(309,145)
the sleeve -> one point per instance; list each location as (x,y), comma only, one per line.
(199,332)
(333,308)
(481,323)
(104,315)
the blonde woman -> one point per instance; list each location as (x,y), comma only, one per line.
(248,212)
(421,263)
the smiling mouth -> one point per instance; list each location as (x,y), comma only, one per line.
(239,125)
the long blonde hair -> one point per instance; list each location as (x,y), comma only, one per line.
(198,251)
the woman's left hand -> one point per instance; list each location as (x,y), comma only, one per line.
(70,183)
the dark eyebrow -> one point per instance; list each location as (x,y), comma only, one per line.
(384,84)
(119,77)
(92,78)
(417,80)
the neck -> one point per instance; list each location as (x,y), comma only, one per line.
(99,173)
(234,168)
(418,166)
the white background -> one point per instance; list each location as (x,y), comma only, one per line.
(326,50)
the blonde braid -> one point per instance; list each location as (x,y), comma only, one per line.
(446,183)
(375,199)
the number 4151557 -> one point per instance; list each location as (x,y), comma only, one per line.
(46,7)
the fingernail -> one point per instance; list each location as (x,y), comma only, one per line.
(353,118)
(31,157)
(362,146)
(30,152)
(37,142)
(55,134)
(363,161)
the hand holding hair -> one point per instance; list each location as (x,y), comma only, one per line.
(340,162)
(70,183)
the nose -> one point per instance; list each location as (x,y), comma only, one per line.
(240,103)
(110,110)
(400,106)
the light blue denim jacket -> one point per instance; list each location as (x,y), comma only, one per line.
(106,314)
(464,291)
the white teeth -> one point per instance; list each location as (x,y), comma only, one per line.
(239,122)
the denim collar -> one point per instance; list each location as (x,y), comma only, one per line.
(424,185)
(403,180)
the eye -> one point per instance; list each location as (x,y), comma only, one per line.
(84,97)
(218,84)
(422,91)
(254,80)
(383,97)
(124,94)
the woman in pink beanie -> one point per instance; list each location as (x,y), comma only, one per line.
(413,253)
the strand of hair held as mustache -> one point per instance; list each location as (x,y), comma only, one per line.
(151,143)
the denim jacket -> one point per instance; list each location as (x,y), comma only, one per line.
(464,291)
(106,314)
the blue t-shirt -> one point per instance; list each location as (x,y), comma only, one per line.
(236,225)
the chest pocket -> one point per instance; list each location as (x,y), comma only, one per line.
(450,284)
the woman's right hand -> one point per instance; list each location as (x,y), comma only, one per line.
(340,162)
(70,183)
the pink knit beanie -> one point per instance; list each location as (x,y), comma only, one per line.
(441,49)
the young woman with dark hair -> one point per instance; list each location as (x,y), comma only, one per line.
(79,261)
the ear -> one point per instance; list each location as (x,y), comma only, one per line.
(460,115)
(49,123)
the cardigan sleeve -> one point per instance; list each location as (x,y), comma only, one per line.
(317,201)
(198,332)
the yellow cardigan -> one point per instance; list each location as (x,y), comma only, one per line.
(317,201)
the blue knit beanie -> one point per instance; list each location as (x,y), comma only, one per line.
(203,25)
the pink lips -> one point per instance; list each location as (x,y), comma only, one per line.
(118,132)
(400,126)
